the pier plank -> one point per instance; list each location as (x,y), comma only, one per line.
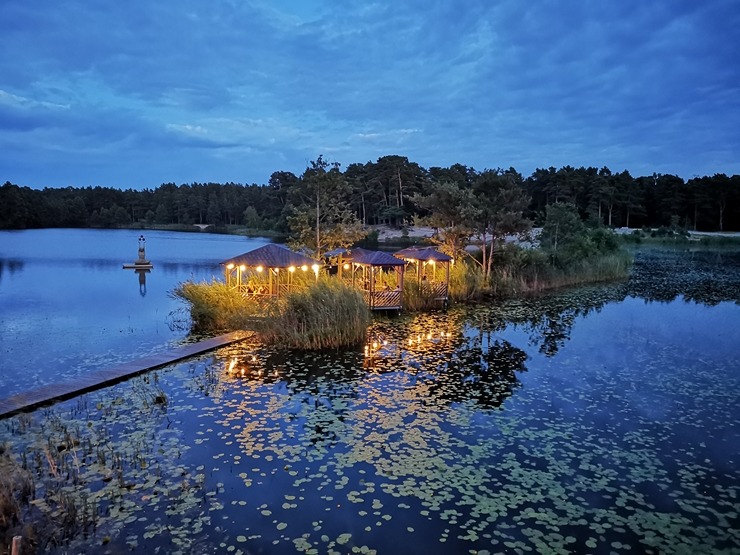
(48,394)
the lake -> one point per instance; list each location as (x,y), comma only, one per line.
(67,307)
(600,419)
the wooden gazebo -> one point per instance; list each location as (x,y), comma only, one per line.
(378,275)
(432,269)
(267,270)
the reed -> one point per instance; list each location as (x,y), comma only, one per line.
(531,272)
(16,490)
(327,315)
(217,307)
(467,282)
(416,297)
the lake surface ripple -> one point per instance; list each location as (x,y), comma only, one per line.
(595,420)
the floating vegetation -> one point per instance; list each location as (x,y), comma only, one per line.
(579,422)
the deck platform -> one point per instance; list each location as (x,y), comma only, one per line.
(48,394)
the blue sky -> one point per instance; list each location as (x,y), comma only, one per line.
(140,92)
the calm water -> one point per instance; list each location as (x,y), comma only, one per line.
(598,420)
(68,307)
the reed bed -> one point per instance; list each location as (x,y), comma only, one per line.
(216,307)
(533,273)
(327,315)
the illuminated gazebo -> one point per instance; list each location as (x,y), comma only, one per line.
(378,275)
(432,269)
(267,270)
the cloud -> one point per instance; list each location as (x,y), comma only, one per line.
(241,89)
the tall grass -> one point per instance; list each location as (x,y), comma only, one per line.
(327,315)
(217,307)
(523,271)
(467,282)
(416,297)
(16,490)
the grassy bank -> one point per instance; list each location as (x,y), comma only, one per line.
(520,271)
(678,236)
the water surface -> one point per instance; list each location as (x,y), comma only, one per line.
(595,420)
(68,307)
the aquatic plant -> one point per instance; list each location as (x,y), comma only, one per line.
(466,282)
(327,315)
(215,306)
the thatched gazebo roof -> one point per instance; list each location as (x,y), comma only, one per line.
(425,254)
(372,258)
(270,256)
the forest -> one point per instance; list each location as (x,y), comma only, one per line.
(393,191)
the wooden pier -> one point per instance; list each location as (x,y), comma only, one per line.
(48,394)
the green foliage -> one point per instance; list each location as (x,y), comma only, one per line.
(320,216)
(251,218)
(501,200)
(567,239)
(417,297)
(451,211)
(327,315)
(385,192)
(518,270)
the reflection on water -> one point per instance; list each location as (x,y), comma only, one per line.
(447,437)
(67,307)
(449,360)
(587,421)
(10,266)
(142,281)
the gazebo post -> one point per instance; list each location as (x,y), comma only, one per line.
(372,286)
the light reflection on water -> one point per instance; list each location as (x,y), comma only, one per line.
(594,420)
(68,307)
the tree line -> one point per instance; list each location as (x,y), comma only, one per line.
(394,191)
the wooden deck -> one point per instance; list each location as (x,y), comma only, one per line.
(95,380)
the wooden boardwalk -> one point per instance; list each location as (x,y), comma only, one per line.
(95,380)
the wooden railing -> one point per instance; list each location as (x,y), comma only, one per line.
(439,291)
(383,300)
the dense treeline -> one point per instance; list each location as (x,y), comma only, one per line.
(383,192)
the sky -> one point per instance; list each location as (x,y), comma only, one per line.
(136,93)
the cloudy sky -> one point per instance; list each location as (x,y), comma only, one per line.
(136,93)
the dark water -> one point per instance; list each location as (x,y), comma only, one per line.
(595,420)
(68,307)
